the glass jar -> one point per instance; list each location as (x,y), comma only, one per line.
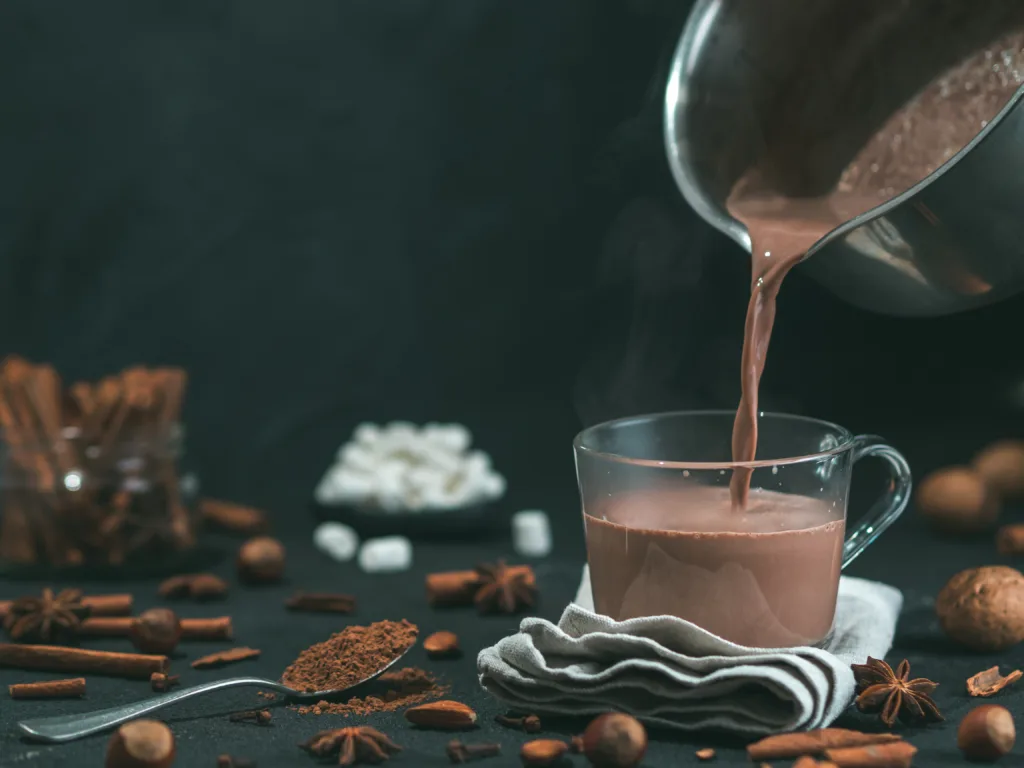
(85,503)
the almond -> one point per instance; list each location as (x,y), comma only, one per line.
(543,752)
(442,715)
(441,644)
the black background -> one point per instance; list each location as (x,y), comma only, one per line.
(331,212)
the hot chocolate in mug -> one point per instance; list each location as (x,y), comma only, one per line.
(664,538)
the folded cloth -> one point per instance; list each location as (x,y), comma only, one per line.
(672,673)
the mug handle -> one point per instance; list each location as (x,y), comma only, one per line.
(883,512)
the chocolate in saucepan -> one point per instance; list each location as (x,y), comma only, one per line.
(761,568)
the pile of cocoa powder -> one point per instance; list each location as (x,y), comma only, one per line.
(351,656)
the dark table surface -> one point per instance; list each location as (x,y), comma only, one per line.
(909,556)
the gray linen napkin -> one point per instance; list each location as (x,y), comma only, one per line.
(672,673)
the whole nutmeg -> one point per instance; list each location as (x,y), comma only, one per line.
(614,741)
(157,630)
(957,500)
(261,560)
(983,608)
(141,744)
(1001,465)
(986,733)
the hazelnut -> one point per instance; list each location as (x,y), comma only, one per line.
(983,608)
(141,744)
(957,500)
(261,560)
(157,630)
(614,741)
(986,733)
(1001,465)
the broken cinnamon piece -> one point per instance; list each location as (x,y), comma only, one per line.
(321,602)
(48,689)
(229,656)
(990,682)
(897,754)
(814,743)
(234,517)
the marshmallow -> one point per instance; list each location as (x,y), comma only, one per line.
(337,540)
(531,533)
(388,553)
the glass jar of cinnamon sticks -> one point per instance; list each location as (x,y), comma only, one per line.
(89,474)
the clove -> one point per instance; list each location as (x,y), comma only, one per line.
(463,753)
(161,683)
(528,723)
(257,716)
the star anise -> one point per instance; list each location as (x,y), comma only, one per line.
(502,589)
(360,744)
(42,619)
(893,694)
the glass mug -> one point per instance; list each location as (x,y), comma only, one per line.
(662,537)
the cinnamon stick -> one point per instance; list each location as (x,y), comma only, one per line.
(59,658)
(321,602)
(99,605)
(451,588)
(989,682)
(233,517)
(814,743)
(229,656)
(218,628)
(898,754)
(48,689)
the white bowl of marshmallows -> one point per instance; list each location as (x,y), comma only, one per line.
(400,468)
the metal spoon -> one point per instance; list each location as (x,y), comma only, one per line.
(63,728)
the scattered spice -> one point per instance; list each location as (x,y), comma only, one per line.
(897,754)
(257,716)
(615,740)
(986,733)
(47,617)
(198,586)
(462,753)
(503,589)
(321,602)
(528,723)
(540,752)
(141,744)
(61,658)
(445,715)
(816,742)
(705,754)
(261,560)
(442,645)
(48,689)
(990,682)
(893,694)
(455,588)
(1010,539)
(392,691)
(233,517)
(350,656)
(157,630)
(353,745)
(229,656)
(162,683)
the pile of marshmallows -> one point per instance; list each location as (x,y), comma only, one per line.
(402,468)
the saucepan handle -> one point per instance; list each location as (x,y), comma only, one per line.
(885,510)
